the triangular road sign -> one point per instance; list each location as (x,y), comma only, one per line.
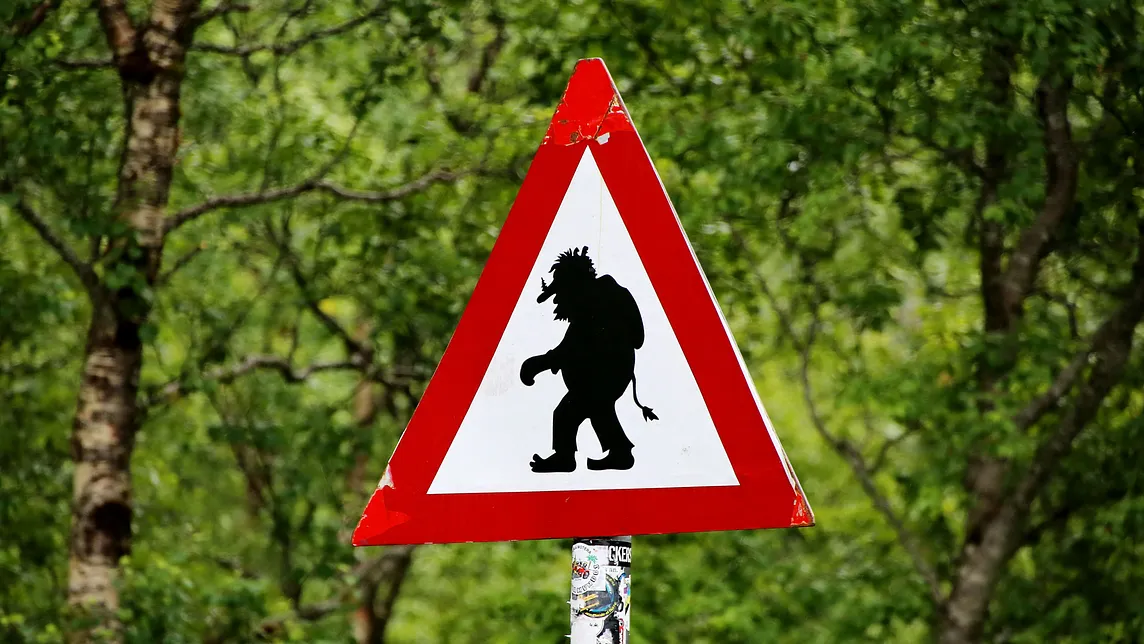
(591,288)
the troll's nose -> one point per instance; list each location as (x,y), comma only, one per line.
(546,290)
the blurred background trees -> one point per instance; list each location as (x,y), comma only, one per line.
(922,219)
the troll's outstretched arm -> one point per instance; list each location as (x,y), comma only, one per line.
(534,365)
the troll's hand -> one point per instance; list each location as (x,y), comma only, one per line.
(530,368)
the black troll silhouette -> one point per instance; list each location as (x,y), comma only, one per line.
(596,358)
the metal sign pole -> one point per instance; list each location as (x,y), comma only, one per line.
(601,590)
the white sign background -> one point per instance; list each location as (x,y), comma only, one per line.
(508,422)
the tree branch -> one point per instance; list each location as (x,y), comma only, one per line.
(884,450)
(289,47)
(312,612)
(1055,519)
(84,63)
(1061,167)
(1111,348)
(991,248)
(1107,100)
(32,22)
(865,477)
(221,9)
(958,157)
(996,74)
(169,31)
(310,185)
(256,472)
(1036,409)
(353,347)
(784,318)
(381,582)
(82,269)
(305,612)
(117,26)
(399,192)
(1060,515)
(1069,307)
(488,56)
(250,364)
(380,579)
(181,263)
(848,451)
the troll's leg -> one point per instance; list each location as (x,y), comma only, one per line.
(612,439)
(566,419)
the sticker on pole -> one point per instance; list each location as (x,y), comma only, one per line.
(592,385)
(601,598)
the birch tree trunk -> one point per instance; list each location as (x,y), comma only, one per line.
(150,64)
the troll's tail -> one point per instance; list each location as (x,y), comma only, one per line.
(647,412)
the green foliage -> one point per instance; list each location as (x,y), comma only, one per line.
(40,312)
(817,155)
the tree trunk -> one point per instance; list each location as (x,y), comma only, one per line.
(382,583)
(107,414)
(975,580)
(984,558)
(102,438)
(380,587)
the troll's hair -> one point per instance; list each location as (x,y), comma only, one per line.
(575,261)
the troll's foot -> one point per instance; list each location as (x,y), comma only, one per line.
(616,459)
(558,462)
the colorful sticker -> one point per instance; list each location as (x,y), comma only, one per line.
(601,591)
(585,569)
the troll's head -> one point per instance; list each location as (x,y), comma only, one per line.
(572,276)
